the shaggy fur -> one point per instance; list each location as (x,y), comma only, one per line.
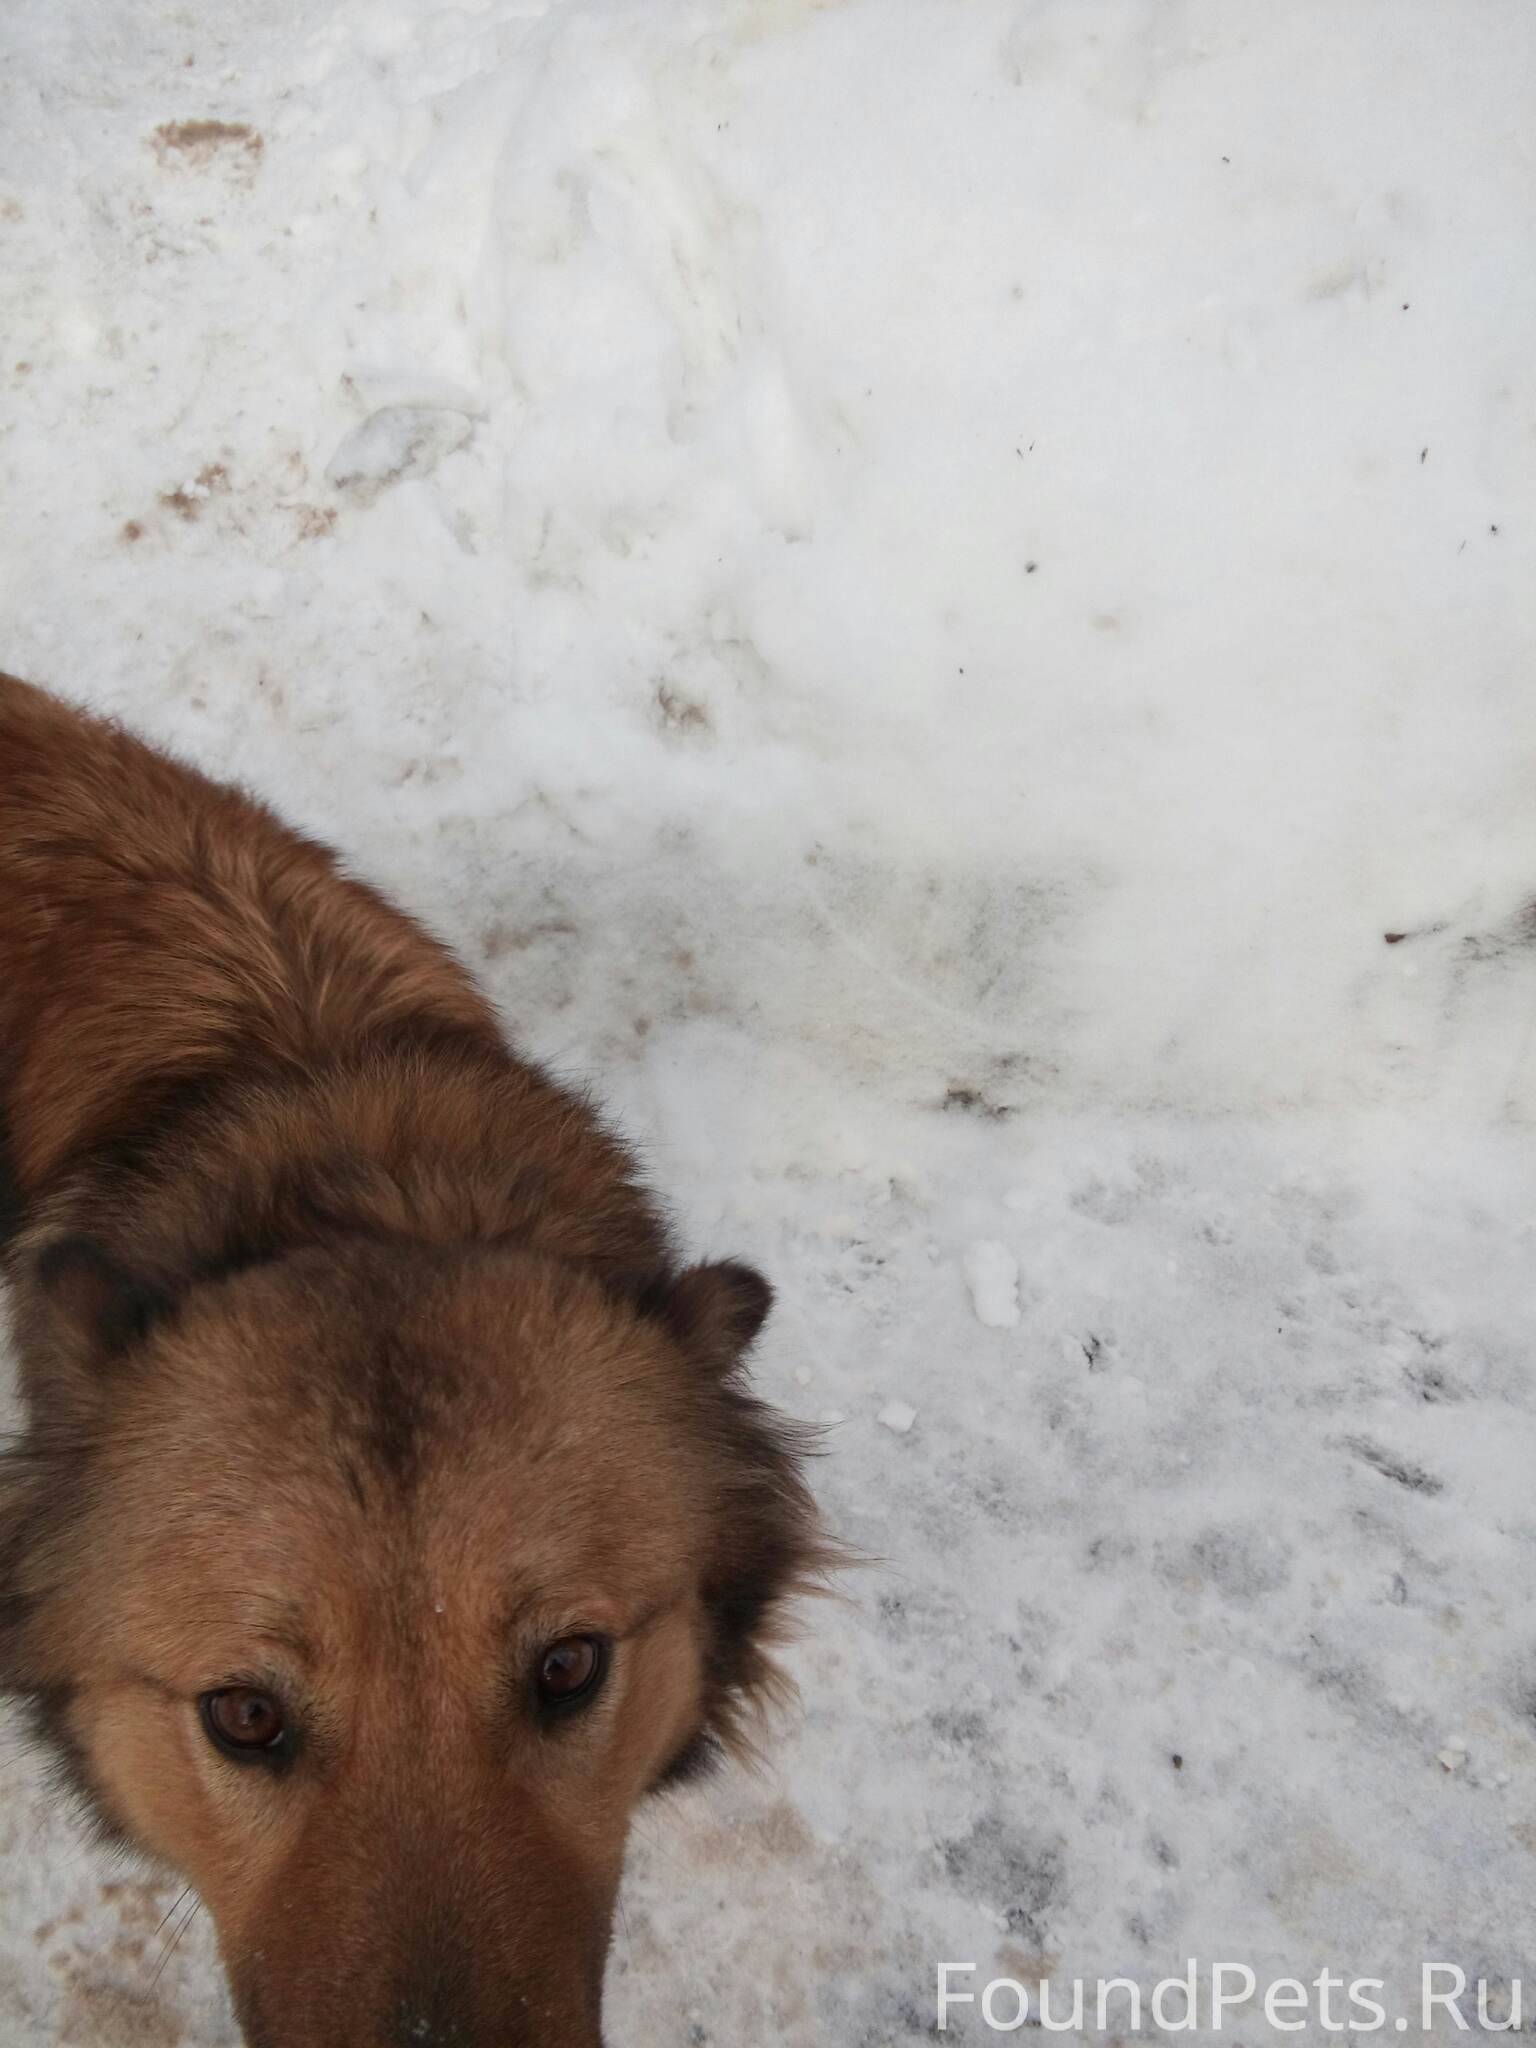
(359,1368)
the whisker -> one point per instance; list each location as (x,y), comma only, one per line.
(173,1905)
(197,1907)
(648,1827)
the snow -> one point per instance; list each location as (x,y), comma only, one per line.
(992,1274)
(396,442)
(941,597)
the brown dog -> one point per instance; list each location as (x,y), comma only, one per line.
(391,1515)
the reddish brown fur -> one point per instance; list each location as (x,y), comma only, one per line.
(359,1367)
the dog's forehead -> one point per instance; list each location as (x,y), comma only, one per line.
(316,1560)
(500,1378)
(333,1580)
(396,1356)
(493,1439)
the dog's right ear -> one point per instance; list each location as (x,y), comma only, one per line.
(716,1311)
(83,1306)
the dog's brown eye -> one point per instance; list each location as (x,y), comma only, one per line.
(243,1722)
(571,1670)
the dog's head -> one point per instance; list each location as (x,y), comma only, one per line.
(373,1587)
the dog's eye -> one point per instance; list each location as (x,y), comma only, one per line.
(571,1670)
(244,1723)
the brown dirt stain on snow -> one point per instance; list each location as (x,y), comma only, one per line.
(206,145)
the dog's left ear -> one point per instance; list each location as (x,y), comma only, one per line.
(716,1311)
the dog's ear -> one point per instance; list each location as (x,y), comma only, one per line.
(83,1305)
(716,1311)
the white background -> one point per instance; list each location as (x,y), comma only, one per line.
(918,584)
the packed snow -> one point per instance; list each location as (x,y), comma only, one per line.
(939,595)
(993,1275)
(898,1417)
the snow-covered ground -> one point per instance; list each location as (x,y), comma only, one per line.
(940,593)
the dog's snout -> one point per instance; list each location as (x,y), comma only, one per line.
(420,2030)
(445,2001)
(517,2021)
(431,2010)
(437,1994)
(507,2020)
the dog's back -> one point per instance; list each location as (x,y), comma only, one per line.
(161,930)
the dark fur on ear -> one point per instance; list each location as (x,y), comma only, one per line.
(716,1311)
(81,1305)
(42,1477)
(770,1551)
(11,1210)
(769,1546)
